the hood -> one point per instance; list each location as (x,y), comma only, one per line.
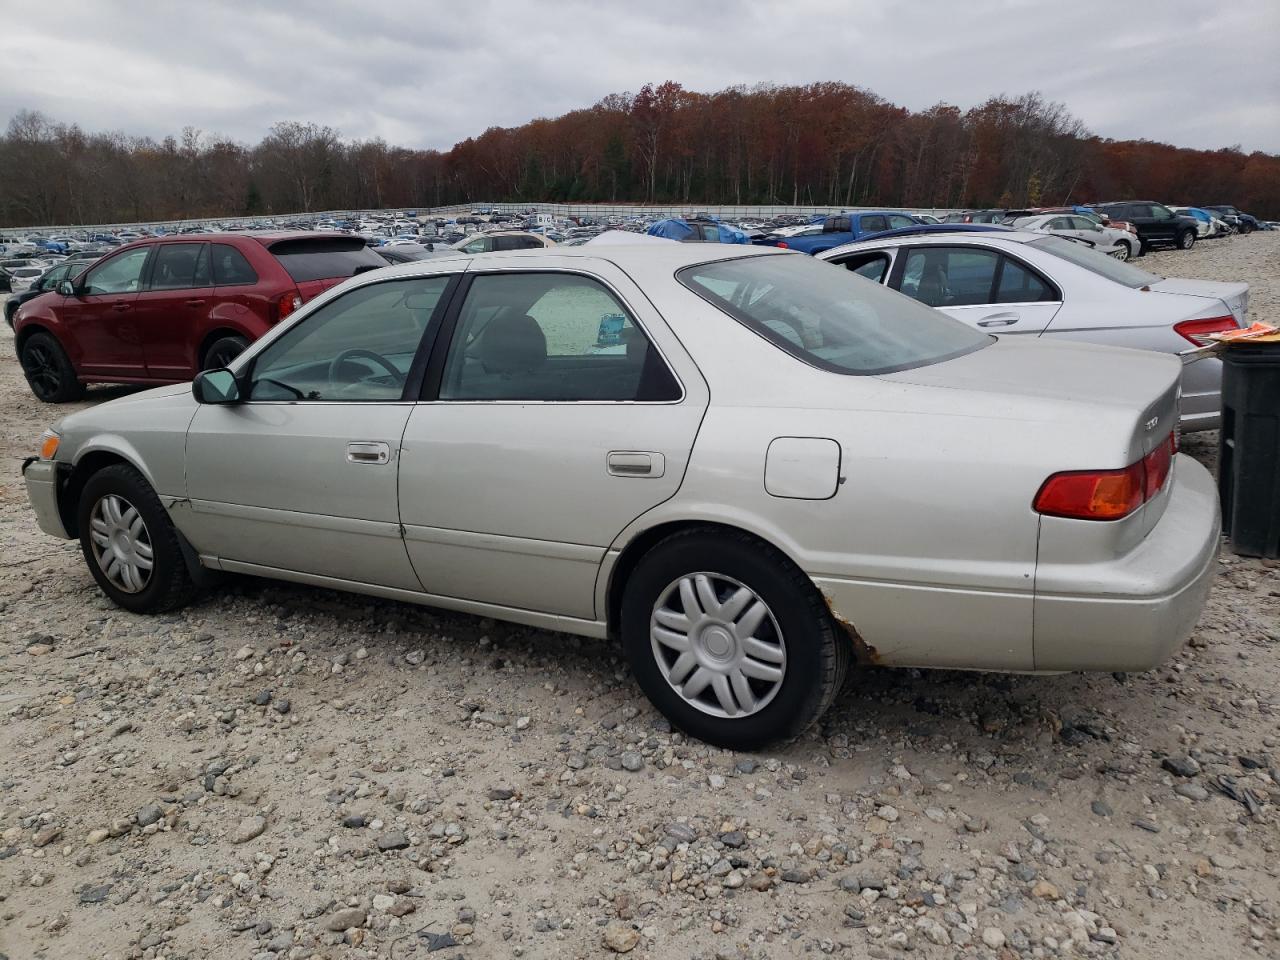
(1234,295)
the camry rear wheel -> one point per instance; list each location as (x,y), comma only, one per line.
(729,640)
(48,370)
(130,544)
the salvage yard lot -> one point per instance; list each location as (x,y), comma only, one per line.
(277,764)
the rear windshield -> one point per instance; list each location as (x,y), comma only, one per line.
(1095,262)
(830,317)
(324,258)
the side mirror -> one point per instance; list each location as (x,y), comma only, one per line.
(216,386)
(67,288)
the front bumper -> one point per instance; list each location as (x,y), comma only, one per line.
(1133,612)
(43,486)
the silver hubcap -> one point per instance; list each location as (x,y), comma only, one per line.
(121,543)
(718,645)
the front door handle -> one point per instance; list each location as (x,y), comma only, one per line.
(195,303)
(635,463)
(120,307)
(368,451)
(999,320)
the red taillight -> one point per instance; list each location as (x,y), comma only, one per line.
(1107,494)
(1197,331)
(1156,466)
(286,304)
(783,245)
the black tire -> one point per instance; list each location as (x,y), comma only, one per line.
(1128,251)
(10,311)
(1186,239)
(169,584)
(1246,228)
(48,370)
(222,351)
(817,656)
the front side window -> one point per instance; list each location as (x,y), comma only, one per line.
(356,348)
(479,245)
(873,266)
(1161,213)
(118,275)
(550,336)
(897,221)
(175,266)
(949,276)
(828,318)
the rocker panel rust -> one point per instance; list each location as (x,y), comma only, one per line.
(863,652)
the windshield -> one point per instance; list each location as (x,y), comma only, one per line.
(830,317)
(1095,262)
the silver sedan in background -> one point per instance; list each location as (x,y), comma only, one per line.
(727,460)
(1020,284)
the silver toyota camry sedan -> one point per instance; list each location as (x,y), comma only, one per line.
(749,469)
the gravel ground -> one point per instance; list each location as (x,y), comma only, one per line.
(285,772)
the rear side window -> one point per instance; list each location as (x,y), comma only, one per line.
(873,266)
(949,276)
(175,266)
(230,268)
(324,258)
(828,318)
(1020,285)
(551,337)
(874,224)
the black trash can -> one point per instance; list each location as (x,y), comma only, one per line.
(1249,448)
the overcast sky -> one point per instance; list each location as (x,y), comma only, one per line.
(1198,73)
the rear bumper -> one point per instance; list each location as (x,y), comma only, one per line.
(1152,596)
(43,483)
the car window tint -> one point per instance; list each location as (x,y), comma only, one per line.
(175,266)
(117,275)
(230,268)
(550,336)
(949,276)
(203,276)
(830,318)
(479,245)
(874,224)
(1020,285)
(898,220)
(324,258)
(356,348)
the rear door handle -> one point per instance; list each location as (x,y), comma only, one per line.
(635,463)
(999,320)
(195,303)
(368,451)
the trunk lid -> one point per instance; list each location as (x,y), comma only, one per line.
(1234,295)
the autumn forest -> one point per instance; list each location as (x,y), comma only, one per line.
(827,143)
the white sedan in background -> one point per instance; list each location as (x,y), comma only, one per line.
(1027,284)
(1112,241)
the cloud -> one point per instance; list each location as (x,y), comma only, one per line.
(429,74)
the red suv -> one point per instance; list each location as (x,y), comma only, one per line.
(162,309)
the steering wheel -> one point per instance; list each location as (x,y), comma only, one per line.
(357,353)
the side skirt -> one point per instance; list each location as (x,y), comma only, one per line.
(544,621)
